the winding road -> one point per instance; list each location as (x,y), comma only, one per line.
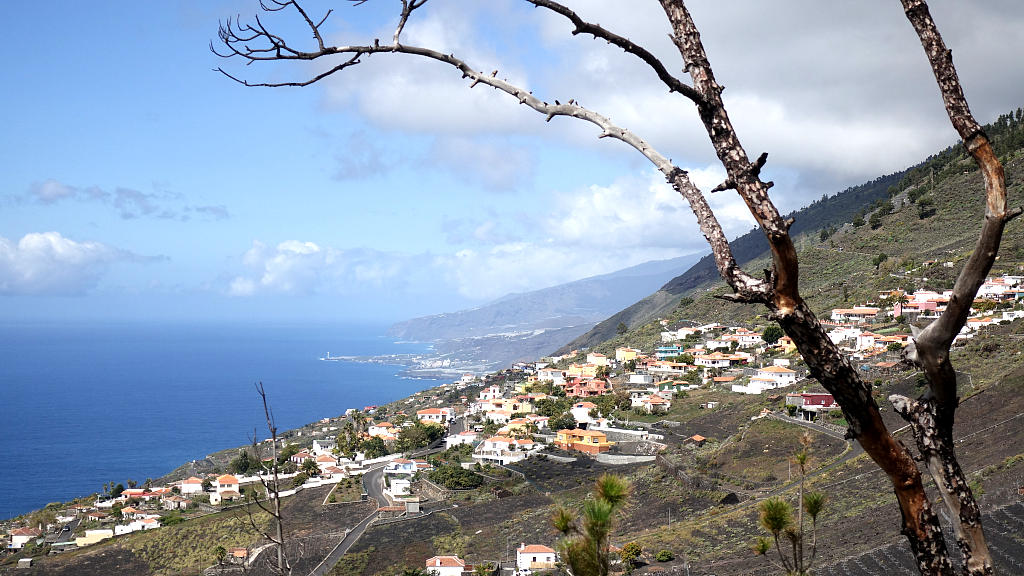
(373,487)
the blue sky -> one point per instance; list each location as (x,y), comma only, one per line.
(139,184)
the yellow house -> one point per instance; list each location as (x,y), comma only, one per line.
(582,371)
(589,441)
(626,354)
(597,359)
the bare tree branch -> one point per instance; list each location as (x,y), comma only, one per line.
(597,31)
(931,417)
(748,288)
(273,487)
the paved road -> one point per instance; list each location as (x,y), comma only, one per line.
(373,488)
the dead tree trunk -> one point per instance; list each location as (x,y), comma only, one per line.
(275,532)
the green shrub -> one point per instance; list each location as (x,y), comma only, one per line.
(664,556)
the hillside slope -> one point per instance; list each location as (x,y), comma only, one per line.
(576,303)
(937,206)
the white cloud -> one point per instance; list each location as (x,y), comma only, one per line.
(301,267)
(843,94)
(593,231)
(49,263)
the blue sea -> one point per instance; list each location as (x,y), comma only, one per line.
(86,404)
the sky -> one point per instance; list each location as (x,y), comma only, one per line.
(137,183)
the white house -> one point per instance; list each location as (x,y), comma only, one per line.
(22,536)
(435,415)
(323,446)
(746,338)
(382,429)
(446,565)
(191,485)
(779,374)
(857,314)
(465,437)
(652,403)
(400,466)
(503,449)
(640,379)
(557,377)
(535,557)
(866,340)
(490,393)
(581,412)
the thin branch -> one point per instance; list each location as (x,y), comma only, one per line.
(581,26)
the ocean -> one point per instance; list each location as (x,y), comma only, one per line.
(86,404)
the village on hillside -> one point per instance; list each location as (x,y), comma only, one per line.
(584,405)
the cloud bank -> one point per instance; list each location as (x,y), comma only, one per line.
(49,264)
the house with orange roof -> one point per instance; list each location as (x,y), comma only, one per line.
(504,449)
(535,557)
(857,314)
(435,415)
(225,488)
(719,360)
(779,374)
(652,403)
(464,437)
(325,461)
(22,536)
(446,565)
(381,429)
(589,441)
(191,485)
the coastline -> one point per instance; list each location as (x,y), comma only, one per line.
(131,402)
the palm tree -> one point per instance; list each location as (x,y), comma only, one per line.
(585,547)
(777,519)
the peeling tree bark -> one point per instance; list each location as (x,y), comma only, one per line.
(932,416)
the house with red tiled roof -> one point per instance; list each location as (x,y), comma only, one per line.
(779,374)
(535,557)
(225,488)
(22,536)
(446,565)
(652,403)
(325,461)
(435,415)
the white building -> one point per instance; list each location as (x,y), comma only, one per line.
(22,536)
(446,565)
(192,485)
(435,415)
(535,557)
(465,437)
(781,375)
(581,412)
